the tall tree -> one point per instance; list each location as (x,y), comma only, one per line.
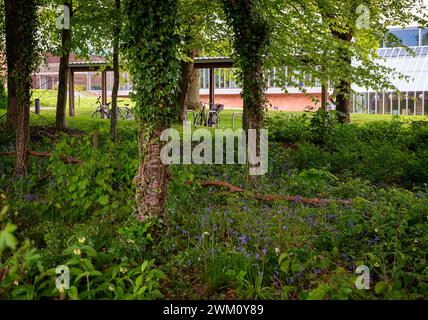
(66,37)
(151,48)
(116,68)
(21,22)
(251,42)
(12,40)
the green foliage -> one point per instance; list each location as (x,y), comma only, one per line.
(96,184)
(98,275)
(382,152)
(15,260)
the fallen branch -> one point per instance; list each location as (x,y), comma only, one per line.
(65,159)
(270,197)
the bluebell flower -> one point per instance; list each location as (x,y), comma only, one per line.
(264,251)
(30,197)
(373,241)
(244,239)
(331,216)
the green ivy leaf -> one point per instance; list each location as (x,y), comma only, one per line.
(103,200)
(7,239)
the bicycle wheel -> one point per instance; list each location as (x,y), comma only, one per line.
(95,114)
(129,115)
(200,119)
(212,120)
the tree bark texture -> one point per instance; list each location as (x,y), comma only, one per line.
(66,37)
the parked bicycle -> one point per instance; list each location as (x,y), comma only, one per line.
(210,118)
(105,112)
(125,112)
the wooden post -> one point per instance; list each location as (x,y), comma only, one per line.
(104,87)
(212,86)
(71,105)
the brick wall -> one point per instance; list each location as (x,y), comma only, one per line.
(284,101)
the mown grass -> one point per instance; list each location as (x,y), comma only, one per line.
(86,105)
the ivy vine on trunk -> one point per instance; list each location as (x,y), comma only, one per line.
(21,22)
(63,75)
(151,51)
(116,67)
(251,43)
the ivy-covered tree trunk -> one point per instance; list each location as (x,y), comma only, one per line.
(116,67)
(61,106)
(151,47)
(253,96)
(12,42)
(251,41)
(343,86)
(21,55)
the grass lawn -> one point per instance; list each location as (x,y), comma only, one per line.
(85,106)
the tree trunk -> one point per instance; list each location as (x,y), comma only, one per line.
(187,76)
(20,28)
(343,87)
(343,108)
(152,177)
(12,40)
(252,34)
(61,122)
(22,135)
(193,99)
(254,97)
(116,34)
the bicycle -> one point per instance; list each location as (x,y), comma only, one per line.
(125,112)
(103,110)
(210,118)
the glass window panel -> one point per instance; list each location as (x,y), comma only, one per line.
(359,103)
(424,37)
(407,37)
(426,103)
(380,99)
(388,96)
(411,99)
(372,103)
(395,104)
(418,107)
(402,98)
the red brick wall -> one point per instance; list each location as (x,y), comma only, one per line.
(284,102)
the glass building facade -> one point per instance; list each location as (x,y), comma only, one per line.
(412,98)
